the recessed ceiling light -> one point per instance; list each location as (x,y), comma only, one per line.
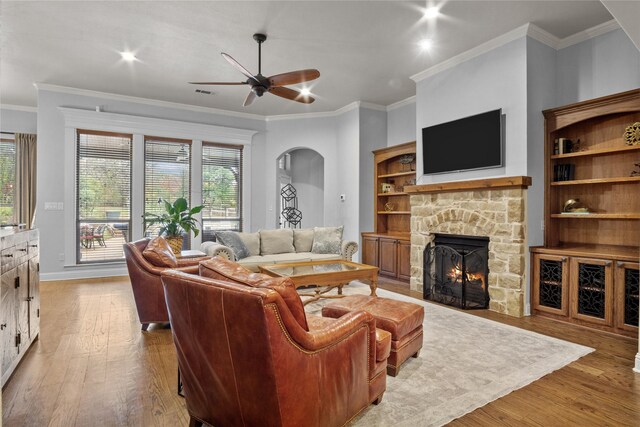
(425,44)
(128,56)
(305,92)
(431,12)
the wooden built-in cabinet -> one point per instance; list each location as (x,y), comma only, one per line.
(587,270)
(388,247)
(19,297)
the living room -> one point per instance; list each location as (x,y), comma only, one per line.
(388,70)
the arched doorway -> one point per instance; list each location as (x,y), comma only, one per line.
(303,168)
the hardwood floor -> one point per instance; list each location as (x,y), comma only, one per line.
(93,366)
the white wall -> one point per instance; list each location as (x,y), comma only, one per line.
(53,171)
(307,176)
(600,66)
(496,79)
(373,135)
(401,124)
(18,121)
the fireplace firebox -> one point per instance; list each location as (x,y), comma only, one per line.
(456,271)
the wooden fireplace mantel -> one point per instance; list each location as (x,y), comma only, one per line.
(476,184)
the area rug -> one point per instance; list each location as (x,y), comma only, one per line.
(465,363)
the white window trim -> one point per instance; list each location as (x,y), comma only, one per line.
(140,126)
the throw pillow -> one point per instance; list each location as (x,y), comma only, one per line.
(231,240)
(159,253)
(303,239)
(327,240)
(276,241)
(252,242)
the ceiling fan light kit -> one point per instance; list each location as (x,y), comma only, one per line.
(275,84)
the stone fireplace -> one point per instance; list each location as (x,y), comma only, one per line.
(492,208)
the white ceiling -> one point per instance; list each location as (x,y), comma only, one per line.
(365,50)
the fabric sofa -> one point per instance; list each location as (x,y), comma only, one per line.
(283,246)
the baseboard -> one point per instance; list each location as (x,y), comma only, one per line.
(84,274)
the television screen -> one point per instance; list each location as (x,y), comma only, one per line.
(474,142)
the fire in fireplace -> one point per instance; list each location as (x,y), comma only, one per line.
(456,271)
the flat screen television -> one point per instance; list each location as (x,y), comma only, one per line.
(474,142)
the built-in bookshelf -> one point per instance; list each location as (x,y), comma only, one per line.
(587,270)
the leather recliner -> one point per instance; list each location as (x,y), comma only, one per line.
(147,285)
(246,360)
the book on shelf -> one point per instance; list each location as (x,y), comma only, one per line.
(562,146)
(564,172)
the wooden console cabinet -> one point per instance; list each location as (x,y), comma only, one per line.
(19,296)
(587,270)
(389,246)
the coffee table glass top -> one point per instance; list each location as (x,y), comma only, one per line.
(309,268)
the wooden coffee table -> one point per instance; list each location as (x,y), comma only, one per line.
(324,275)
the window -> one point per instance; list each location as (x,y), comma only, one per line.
(103,195)
(167,174)
(7,179)
(221,188)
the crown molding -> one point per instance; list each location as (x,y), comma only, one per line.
(117,122)
(407,101)
(589,33)
(528,30)
(472,53)
(342,110)
(19,108)
(543,36)
(372,106)
(146,101)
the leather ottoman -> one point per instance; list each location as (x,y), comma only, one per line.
(403,320)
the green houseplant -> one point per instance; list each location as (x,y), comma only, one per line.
(176,219)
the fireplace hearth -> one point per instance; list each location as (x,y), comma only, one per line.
(456,271)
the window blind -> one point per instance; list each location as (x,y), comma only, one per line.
(221,188)
(167,174)
(7,179)
(103,195)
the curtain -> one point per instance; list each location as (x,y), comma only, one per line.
(25,196)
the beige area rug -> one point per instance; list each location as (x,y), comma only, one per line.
(465,363)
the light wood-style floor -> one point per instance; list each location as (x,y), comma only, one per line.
(93,366)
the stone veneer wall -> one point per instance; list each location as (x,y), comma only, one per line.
(497,214)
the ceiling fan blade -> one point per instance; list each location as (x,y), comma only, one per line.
(217,83)
(249,99)
(239,67)
(291,94)
(294,77)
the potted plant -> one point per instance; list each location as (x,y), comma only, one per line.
(177,219)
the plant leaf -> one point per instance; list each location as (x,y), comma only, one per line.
(181,205)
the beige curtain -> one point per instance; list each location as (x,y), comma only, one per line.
(25,196)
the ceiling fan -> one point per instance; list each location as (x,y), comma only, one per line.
(274,84)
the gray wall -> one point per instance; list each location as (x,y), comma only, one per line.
(401,124)
(18,121)
(51,168)
(496,79)
(373,135)
(600,66)
(318,134)
(307,176)
(348,172)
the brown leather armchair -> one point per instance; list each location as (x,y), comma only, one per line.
(146,282)
(246,360)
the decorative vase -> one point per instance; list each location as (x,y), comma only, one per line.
(175,243)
